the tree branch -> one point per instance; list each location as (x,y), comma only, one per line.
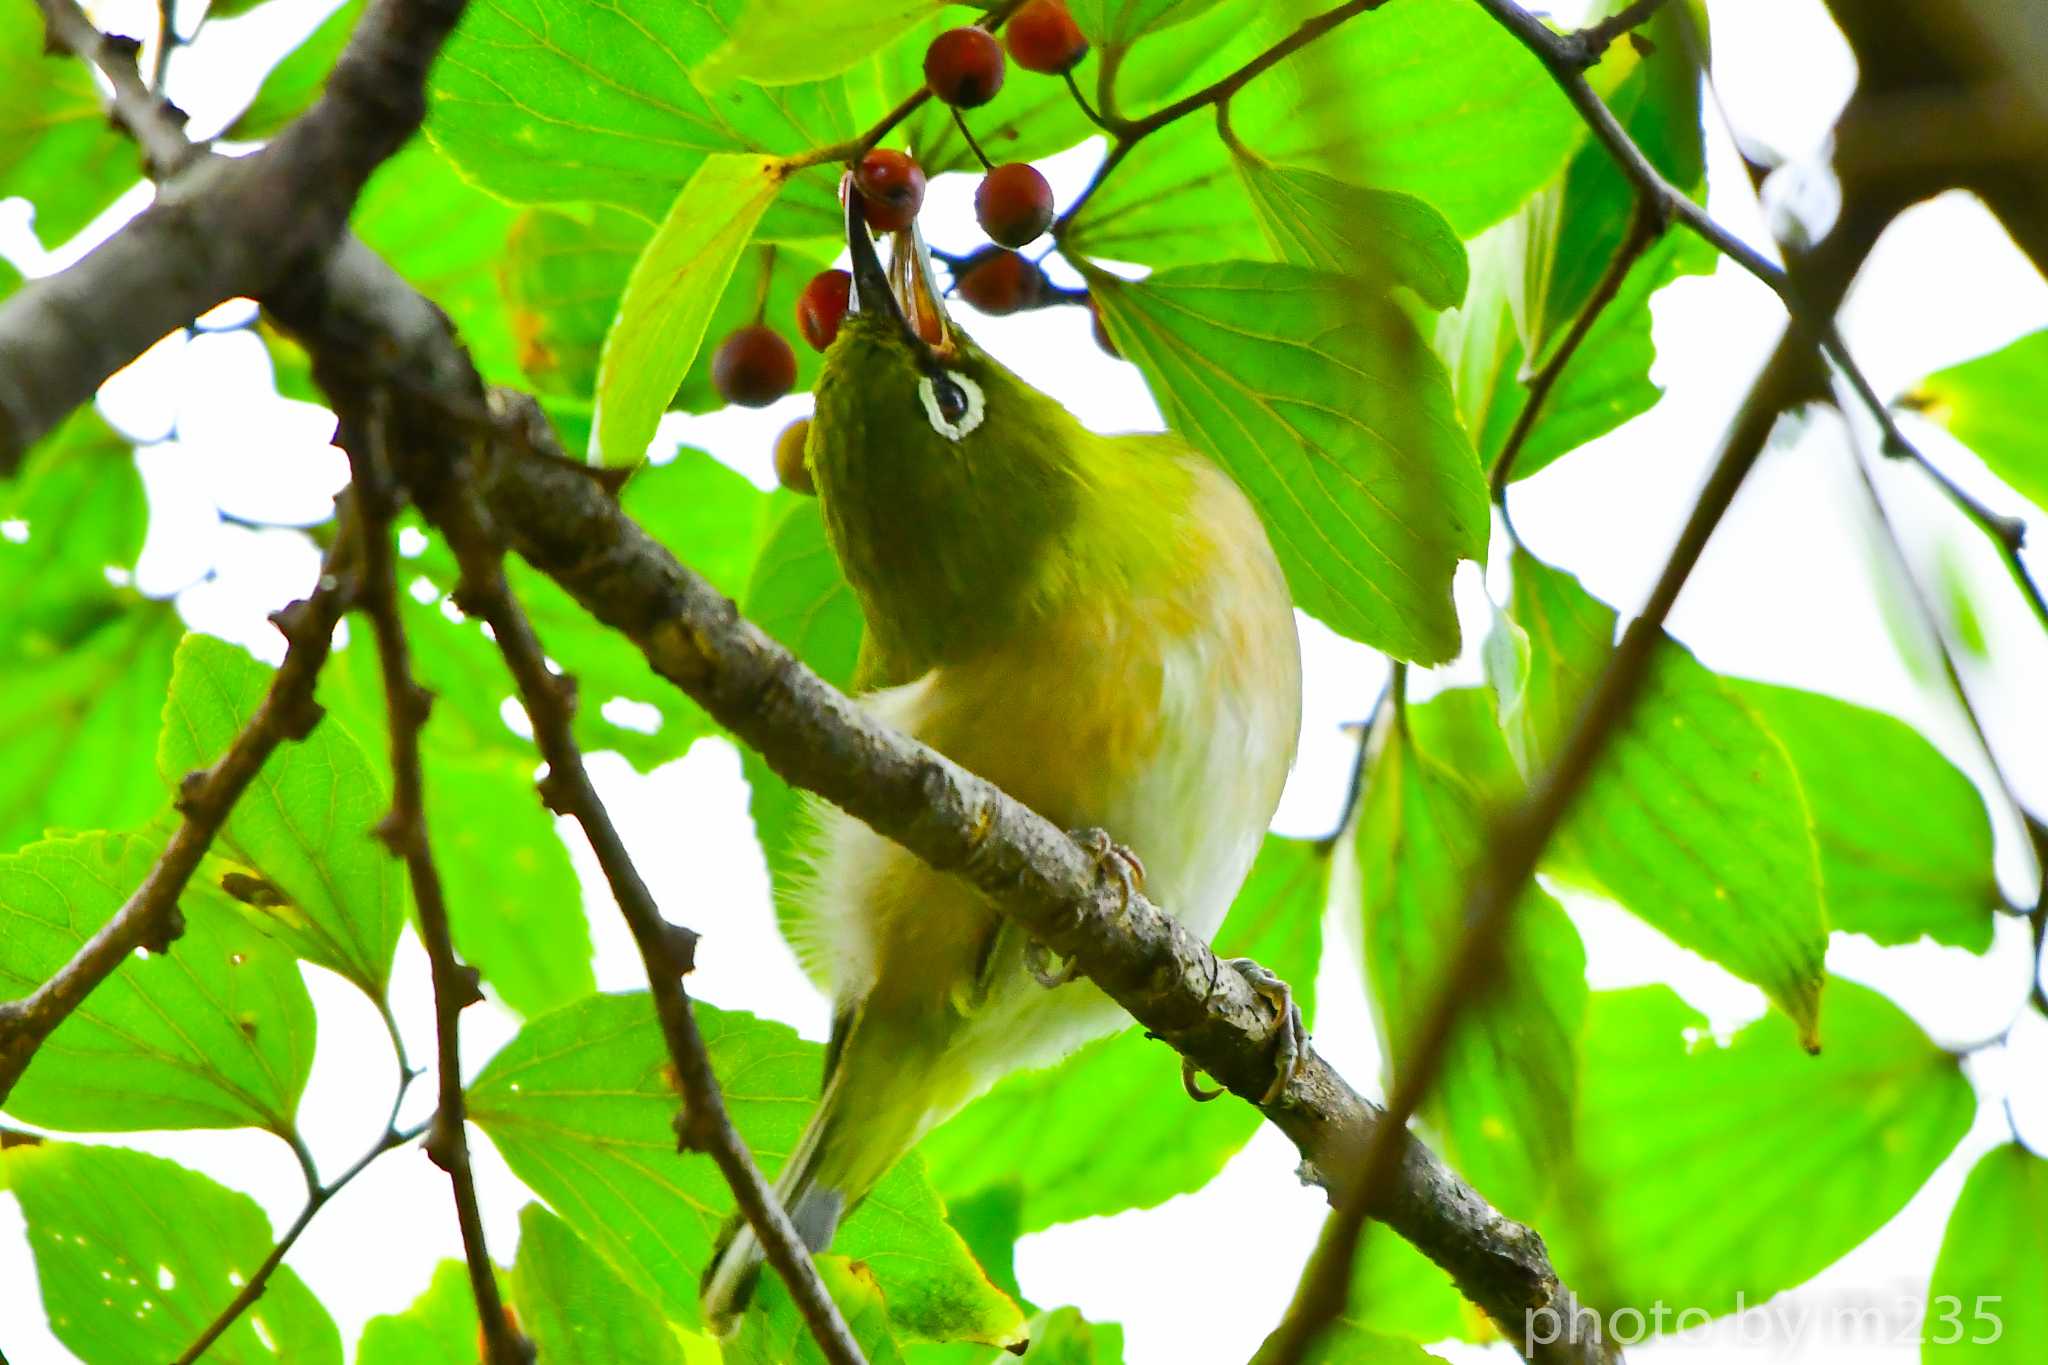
(220,227)
(667,950)
(150,918)
(404,831)
(1167,978)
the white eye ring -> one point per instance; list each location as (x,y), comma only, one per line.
(927,394)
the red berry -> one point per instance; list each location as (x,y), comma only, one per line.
(891,186)
(1102,333)
(1014,204)
(822,307)
(964,67)
(1043,37)
(792,470)
(999,282)
(753,368)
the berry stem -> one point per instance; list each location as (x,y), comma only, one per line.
(1074,88)
(972,146)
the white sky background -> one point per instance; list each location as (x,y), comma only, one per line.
(1784,593)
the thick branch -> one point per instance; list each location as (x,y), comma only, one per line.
(220,228)
(149,917)
(556,515)
(666,950)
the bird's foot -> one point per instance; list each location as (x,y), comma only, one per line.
(1290,1033)
(1118,860)
(1038,961)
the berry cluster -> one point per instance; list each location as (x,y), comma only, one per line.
(963,68)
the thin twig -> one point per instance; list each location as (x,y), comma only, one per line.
(667,950)
(1126,134)
(156,127)
(1645,226)
(404,832)
(317,1198)
(1074,89)
(166,39)
(2035,830)
(1594,39)
(149,917)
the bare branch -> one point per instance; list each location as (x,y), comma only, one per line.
(404,832)
(667,950)
(157,126)
(149,917)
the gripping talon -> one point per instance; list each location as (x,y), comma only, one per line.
(1290,1034)
(1193,1086)
(1118,860)
(1038,961)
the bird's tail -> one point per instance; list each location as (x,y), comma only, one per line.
(846,1148)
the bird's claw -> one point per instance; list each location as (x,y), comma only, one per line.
(1118,860)
(1188,1072)
(1290,1033)
(1038,961)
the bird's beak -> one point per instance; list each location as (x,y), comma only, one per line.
(906,289)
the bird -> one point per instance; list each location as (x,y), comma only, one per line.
(1096,624)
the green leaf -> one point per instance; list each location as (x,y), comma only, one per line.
(775,1333)
(440,1327)
(1508,1085)
(1378,236)
(1536,272)
(1048,1135)
(1348,1342)
(800,597)
(1398,1291)
(75,511)
(1987,1279)
(217,1033)
(1429,97)
(580,1106)
(1063,1337)
(303,825)
(296,81)
(74,720)
(670,296)
(1177,200)
(1693,816)
(783,42)
(557,101)
(1997,405)
(1113,25)
(57,149)
(575,1308)
(447,238)
(136,1256)
(564,277)
(1763,1165)
(515,908)
(1905,840)
(1337,421)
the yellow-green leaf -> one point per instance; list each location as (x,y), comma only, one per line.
(782,42)
(669,297)
(1376,236)
(1988,1302)
(1997,405)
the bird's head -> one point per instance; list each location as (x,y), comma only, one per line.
(948,484)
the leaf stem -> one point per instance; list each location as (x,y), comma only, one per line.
(1646,225)
(316,1199)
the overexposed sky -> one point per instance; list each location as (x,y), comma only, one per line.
(1784,593)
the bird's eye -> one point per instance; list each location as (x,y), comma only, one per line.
(952,402)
